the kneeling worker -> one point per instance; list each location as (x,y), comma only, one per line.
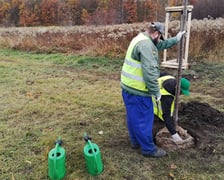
(164,108)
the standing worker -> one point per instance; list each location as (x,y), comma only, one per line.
(139,82)
(164,108)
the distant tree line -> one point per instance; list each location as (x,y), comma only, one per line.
(94,12)
(74,12)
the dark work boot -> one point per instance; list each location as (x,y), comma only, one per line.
(156,154)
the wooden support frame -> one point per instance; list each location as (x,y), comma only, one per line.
(173,63)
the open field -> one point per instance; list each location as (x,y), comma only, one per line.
(44,96)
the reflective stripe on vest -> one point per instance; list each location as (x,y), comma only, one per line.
(157,107)
(131,74)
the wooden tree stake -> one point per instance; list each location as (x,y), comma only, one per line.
(180,60)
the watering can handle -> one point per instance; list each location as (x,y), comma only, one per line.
(55,157)
(94,154)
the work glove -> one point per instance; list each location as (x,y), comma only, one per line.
(180,35)
(177,139)
(158,97)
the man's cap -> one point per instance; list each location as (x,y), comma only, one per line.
(158,26)
(185,86)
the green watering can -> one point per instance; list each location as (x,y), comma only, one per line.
(56,162)
(92,155)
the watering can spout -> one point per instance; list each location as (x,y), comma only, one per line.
(56,161)
(92,155)
(86,138)
(59,141)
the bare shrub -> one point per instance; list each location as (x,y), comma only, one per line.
(112,40)
(206,37)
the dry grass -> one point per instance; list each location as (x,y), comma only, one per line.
(85,40)
(206,39)
(42,100)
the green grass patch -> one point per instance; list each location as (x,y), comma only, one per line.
(66,60)
(44,96)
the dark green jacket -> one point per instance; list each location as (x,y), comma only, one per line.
(147,53)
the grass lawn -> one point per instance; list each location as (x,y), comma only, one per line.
(44,96)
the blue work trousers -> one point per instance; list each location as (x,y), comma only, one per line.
(140,118)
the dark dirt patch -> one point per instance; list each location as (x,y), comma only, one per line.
(202,114)
(204,123)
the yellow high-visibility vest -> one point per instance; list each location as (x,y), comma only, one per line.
(157,106)
(131,74)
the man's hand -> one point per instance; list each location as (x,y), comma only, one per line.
(158,97)
(177,139)
(180,35)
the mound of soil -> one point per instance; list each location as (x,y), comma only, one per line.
(202,114)
(204,123)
